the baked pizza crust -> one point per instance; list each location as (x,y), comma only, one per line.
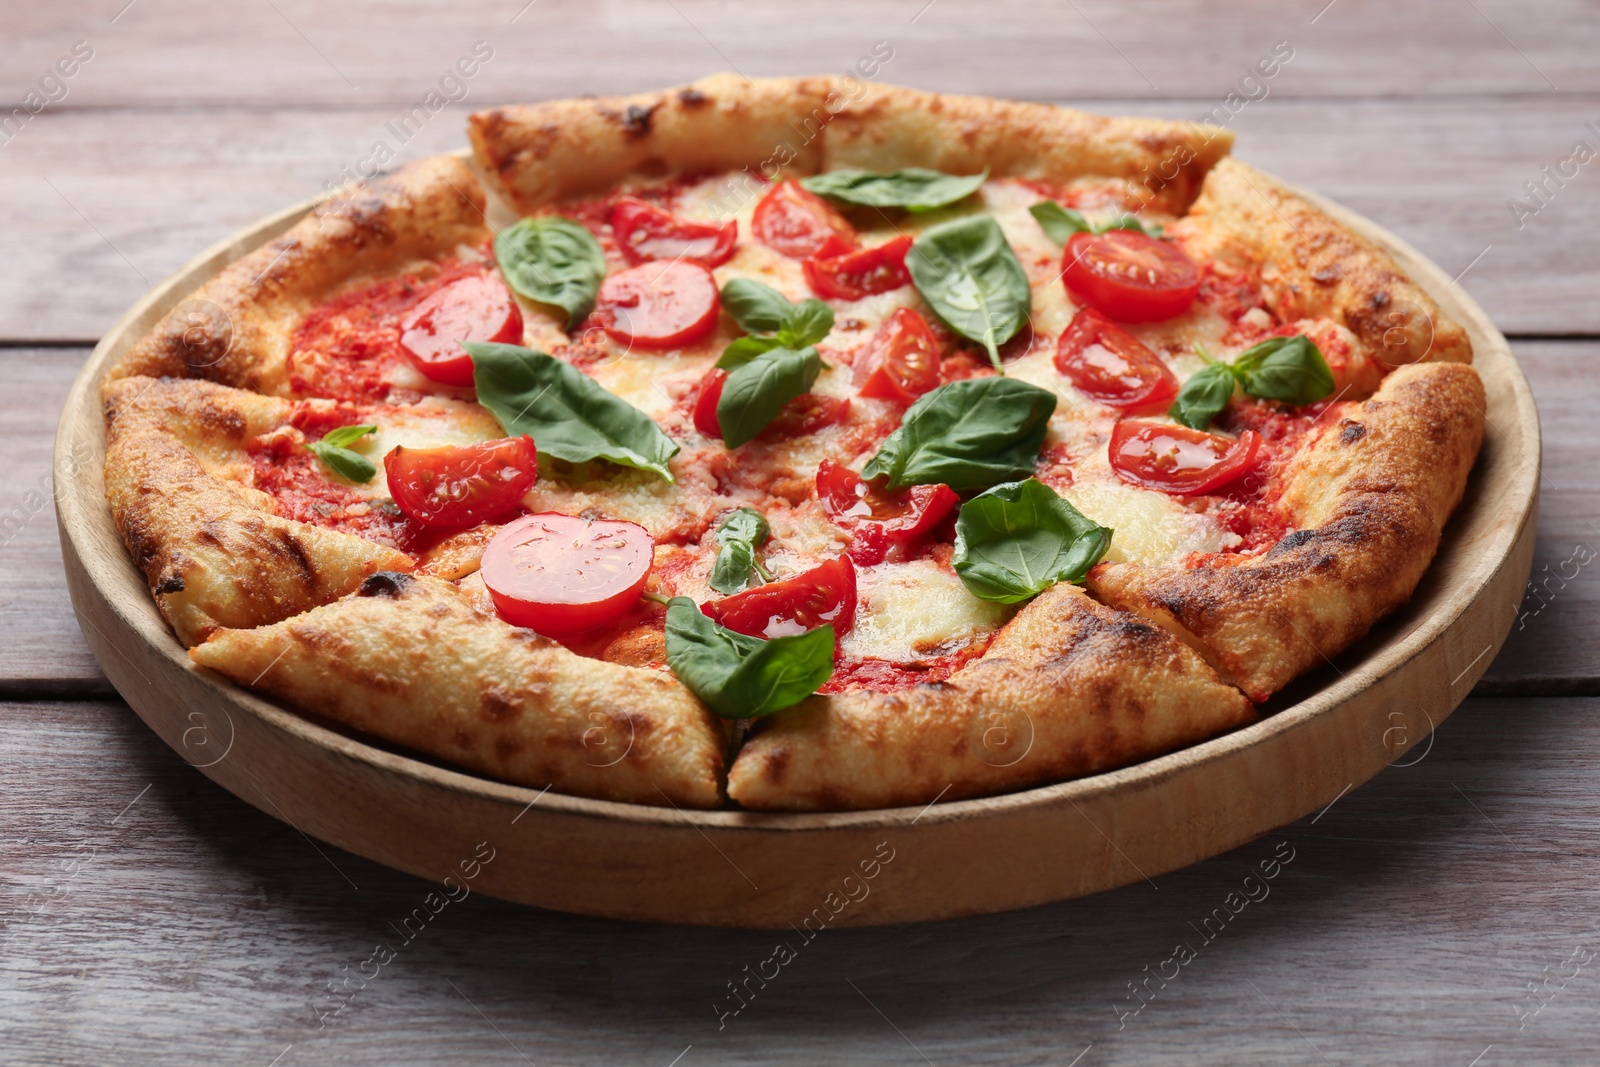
(1069,687)
(236,329)
(409,659)
(1309,266)
(1370,495)
(213,550)
(545,152)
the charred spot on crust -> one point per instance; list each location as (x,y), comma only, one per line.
(494,704)
(1329,275)
(296,553)
(1133,629)
(1380,299)
(1293,539)
(172,583)
(775,768)
(391,584)
(636,120)
(1351,431)
(692,98)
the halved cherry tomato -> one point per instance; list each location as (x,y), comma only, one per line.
(901,361)
(806,414)
(1129,275)
(825,593)
(706,401)
(1176,459)
(560,575)
(799,224)
(644,232)
(858,274)
(659,305)
(475,308)
(459,486)
(1109,364)
(881,524)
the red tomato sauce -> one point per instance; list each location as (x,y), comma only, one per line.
(1249,507)
(881,676)
(348,348)
(294,478)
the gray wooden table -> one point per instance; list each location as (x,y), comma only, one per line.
(1445,913)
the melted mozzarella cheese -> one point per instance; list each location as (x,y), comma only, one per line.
(1148,528)
(907,612)
(432,422)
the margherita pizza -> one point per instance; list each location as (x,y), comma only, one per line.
(752,444)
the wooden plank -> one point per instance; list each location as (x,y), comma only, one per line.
(147,910)
(302,54)
(1549,651)
(45,652)
(1551,648)
(86,239)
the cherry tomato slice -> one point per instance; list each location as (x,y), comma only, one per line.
(658,305)
(1176,459)
(1128,275)
(644,232)
(1109,364)
(459,486)
(882,525)
(805,414)
(901,361)
(475,308)
(826,593)
(706,401)
(561,575)
(798,224)
(858,274)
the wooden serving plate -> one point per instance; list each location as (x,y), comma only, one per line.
(1330,732)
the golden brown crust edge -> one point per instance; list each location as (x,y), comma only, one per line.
(1371,495)
(212,550)
(546,151)
(410,660)
(1069,687)
(236,328)
(1312,266)
(890,127)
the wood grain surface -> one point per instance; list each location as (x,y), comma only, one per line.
(153,917)
(1408,928)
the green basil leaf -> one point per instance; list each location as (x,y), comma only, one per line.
(1017,540)
(1290,369)
(343,436)
(756,391)
(1129,222)
(552,260)
(912,188)
(1203,396)
(569,415)
(1059,223)
(969,435)
(740,677)
(971,278)
(742,351)
(352,465)
(738,537)
(807,323)
(756,307)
